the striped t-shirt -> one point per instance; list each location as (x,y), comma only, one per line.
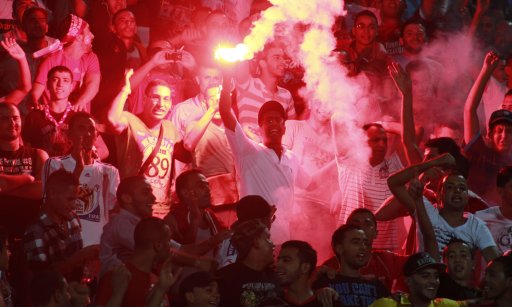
(367,187)
(252,94)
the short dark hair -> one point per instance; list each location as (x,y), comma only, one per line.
(182,180)
(44,285)
(339,234)
(367,13)
(262,55)
(148,231)
(504,176)
(156,82)
(31,10)
(73,118)
(362,210)
(269,106)
(126,186)
(412,22)
(59,68)
(506,261)
(454,241)
(116,14)
(448,173)
(305,252)
(448,145)
(244,236)
(60,179)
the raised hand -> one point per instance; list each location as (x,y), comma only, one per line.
(127,86)
(416,188)
(446,160)
(491,61)
(11,46)
(160,57)
(402,80)
(167,277)
(79,107)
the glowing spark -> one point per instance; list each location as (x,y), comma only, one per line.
(239,53)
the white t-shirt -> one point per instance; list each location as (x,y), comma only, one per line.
(499,226)
(261,172)
(97,193)
(186,112)
(313,151)
(473,231)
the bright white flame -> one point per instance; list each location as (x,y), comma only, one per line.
(239,53)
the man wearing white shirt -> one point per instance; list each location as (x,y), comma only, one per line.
(266,169)
(98,181)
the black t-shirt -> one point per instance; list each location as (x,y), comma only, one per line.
(12,217)
(284,301)
(243,286)
(41,133)
(353,291)
(448,288)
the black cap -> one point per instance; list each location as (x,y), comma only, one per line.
(420,261)
(252,207)
(500,116)
(268,107)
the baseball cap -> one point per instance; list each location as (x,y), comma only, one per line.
(499,116)
(420,261)
(252,207)
(199,279)
(268,107)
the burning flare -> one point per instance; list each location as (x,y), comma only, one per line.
(239,53)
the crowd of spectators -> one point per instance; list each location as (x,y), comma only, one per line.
(138,170)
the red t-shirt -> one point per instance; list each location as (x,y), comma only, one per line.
(139,287)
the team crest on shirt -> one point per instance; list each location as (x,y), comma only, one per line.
(87,207)
(504,238)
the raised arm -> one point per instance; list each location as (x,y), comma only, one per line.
(471,125)
(398,181)
(25,82)
(404,85)
(158,59)
(482,6)
(226,114)
(429,236)
(116,119)
(166,279)
(196,130)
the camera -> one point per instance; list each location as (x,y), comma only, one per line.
(173,56)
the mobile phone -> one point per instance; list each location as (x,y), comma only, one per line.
(173,56)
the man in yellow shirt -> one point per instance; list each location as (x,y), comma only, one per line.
(422,277)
